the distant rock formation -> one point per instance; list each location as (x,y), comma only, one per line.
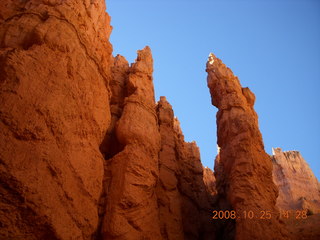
(298,187)
(244,169)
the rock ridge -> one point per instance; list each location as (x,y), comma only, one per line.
(298,187)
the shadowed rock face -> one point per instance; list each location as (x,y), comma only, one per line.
(298,187)
(54,111)
(244,169)
(209,180)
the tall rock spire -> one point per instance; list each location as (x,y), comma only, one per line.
(243,168)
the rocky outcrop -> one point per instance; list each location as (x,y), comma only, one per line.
(131,206)
(155,189)
(196,203)
(244,178)
(169,198)
(298,187)
(209,181)
(184,203)
(55,66)
(118,85)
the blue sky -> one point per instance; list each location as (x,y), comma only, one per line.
(272,46)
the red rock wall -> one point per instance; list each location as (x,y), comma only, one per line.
(244,169)
(298,187)
(54,112)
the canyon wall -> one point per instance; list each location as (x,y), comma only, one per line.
(298,187)
(244,169)
(55,64)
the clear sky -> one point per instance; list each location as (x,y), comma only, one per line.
(273,46)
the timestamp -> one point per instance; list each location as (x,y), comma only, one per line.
(241,215)
(259,215)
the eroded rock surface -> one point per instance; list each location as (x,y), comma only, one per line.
(244,169)
(196,202)
(85,152)
(169,198)
(131,206)
(209,181)
(185,205)
(55,65)
(298,187)
(168,169)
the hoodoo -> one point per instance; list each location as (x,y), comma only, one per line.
(243,168)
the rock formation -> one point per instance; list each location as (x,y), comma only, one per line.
(298,187)
(131,206)
(55,65)
(244,178)
(209,181)
(169,198)
(196,202)
(182,195)
(85,152)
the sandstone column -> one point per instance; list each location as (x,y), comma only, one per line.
(244,169)
(132,210)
